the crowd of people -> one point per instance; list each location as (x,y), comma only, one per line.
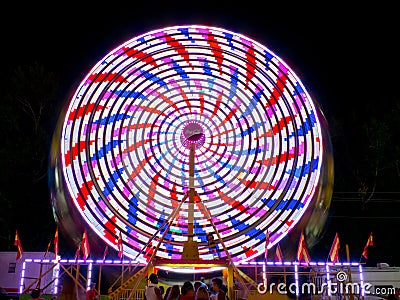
(188,291)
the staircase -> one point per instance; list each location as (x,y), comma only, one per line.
(136,278)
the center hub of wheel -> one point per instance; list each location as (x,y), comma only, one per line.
(192,134)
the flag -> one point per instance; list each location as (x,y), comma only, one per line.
(278,254)
(267,239)
(78,250)
(85,245)
(105,252)
(370,242)
(302,251)
(17,242)
(334,252)
(120,246)
(56,244)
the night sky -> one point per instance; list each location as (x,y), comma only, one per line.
(347,57)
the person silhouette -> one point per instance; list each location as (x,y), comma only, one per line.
(35,294)
(187,291)
(91,293)
(202,293)
(152,291)
(217,286)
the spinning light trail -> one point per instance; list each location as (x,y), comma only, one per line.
(124,142)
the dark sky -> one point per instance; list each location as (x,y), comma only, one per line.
(345,56)
(340,53)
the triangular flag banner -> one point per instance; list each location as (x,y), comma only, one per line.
(56,244)
(17,242)
(302,252)
(278,254)
(267,239)
(120,246)
(85,246)
(105,252)
(334,252)
(370,242)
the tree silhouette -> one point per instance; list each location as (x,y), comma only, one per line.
(26,121)
(377,136)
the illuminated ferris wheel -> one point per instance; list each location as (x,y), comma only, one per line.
(183,93)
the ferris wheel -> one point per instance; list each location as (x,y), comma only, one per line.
(191,108)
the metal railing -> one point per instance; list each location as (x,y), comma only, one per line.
(123,294)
